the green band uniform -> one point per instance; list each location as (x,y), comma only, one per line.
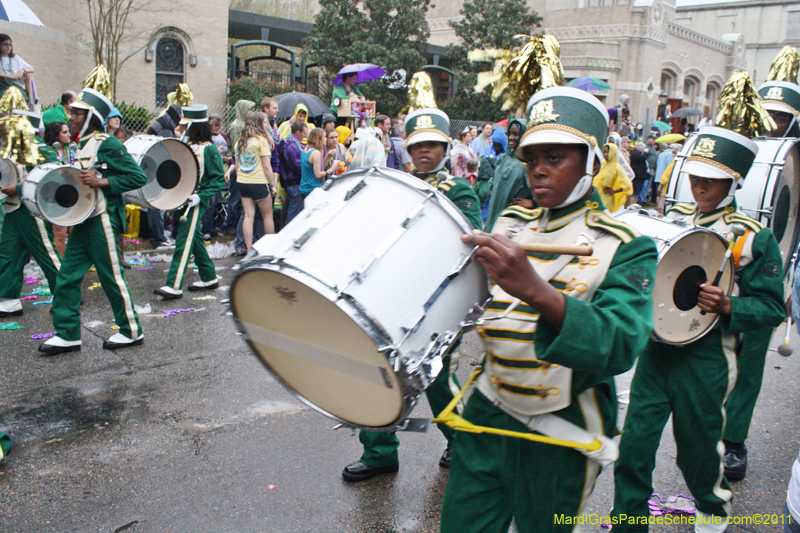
(510,180)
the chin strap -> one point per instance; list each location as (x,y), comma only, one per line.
(583,186)
(728,199)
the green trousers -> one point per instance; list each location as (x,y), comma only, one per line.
(93,242)
(380,447)
(22,234)
(494,479)
(190,231)
(692,384)
(742,401)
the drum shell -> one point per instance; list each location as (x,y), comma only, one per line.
(401,269)
(38,189)
(770,193)
(682,248)
(151,153)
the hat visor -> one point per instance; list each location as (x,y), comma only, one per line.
(547,137)
(776,106)
(426,136)
(80,105)
(704,170)
(192,120)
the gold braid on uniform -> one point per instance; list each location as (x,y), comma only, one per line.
(428,130)
(741,109)
(13,99)
(562,127)
(518,76)
(717,164)
(785,66)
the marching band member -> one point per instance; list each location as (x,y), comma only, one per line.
(190,235)
(24,234)
(106,166)
(782,101)
(427,142)
(556,332)
(693,382)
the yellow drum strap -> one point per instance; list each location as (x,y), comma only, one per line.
(453,421)
(739,248)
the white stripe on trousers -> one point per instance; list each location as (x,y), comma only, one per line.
(116,268)
(187,249)
(729,349)
(48,245)
(587,401)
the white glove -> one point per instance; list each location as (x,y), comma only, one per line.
(193,200)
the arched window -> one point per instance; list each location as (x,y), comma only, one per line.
(169,68)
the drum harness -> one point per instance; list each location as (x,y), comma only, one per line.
(596,447)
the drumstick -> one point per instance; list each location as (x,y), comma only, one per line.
(185,215)
(784,349)
(738,230)
(560,249)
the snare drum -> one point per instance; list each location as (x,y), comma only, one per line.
(687,257)
(55,192)
(770,193)
(353,304)
(8,174)
(171,168)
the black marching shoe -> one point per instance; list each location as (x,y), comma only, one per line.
(735,460)
(56,345)
(118,340)
(358,471)
(444,461)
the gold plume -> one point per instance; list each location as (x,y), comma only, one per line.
(420,93)
(13,99)
(785,66)
(741,109)
(518,76)
(100,80)
(19,140)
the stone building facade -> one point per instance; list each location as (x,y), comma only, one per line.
(169,46)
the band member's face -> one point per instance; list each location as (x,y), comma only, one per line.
(553,171)
(708,193)
(513,136)
(782,121)
(77,119)
(427,155)
(63,135)
(301,116)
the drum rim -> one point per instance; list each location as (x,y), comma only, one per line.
(15,180)
(355,313)
(45,169)
(136,196)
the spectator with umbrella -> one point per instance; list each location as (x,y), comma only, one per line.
(344,86)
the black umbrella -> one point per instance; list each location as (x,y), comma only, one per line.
(687,112)
(288,102)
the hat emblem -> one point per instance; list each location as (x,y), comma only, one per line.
(542,112)
(424,122)
(774,93)
(705,148)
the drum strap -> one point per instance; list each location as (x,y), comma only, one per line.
(738,249)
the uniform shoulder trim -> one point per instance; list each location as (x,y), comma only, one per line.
(684,209)
(604,221)
(746,221)
(446,185)
(102,136)
(516,211)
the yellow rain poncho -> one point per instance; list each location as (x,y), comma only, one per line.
(613,177)
(286,128)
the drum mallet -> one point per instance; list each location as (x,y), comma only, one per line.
(785,349)
(185,215)
(738,230)
(559,249)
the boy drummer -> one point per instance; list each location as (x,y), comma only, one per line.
(427,142)
(564,327)
(693,382)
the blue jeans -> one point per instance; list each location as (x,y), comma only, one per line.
(155,221)
(294,202)
(209,224)
(789,523)
(645,190)
(234,203)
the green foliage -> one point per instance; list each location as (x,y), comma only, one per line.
(486,24)
(247,88)
(134,116)
(390,33)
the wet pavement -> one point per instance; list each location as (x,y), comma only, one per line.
(188,432)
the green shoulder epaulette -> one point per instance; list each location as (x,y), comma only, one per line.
(604,221)
(741,218)
(516,211)
(684,209)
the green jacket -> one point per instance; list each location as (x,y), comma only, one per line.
(122,173)
(54,114)
(458,191)
(213,179)
(339,91)
(510,181)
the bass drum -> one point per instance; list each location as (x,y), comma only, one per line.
(171,168)
(8,174)
(354,303)
(770,193)
(688,256)
(56,193)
